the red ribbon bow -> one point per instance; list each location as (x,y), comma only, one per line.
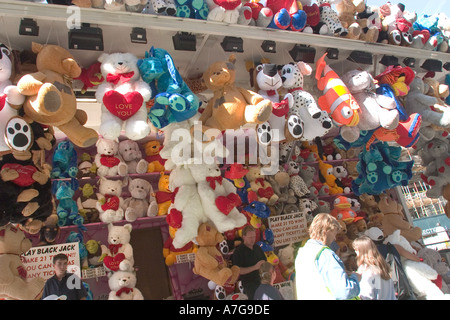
(260,181)
(295,89)
(280,109)
(212,181)
(122,290)
(271,92)
(114,248)
(123,77)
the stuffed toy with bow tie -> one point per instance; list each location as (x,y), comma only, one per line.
(118,255)
(123,97)
(50,99)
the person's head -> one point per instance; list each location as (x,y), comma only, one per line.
(324,228)
(367,253)
(249,236)
(267,273)
(60,262)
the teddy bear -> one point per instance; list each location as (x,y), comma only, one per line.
(347,11)
(287,257)
(123,97)
(435,173)
(416,101)
(110,202)
(261,186)
(393,219)
(152,151)
(119,252)
(231,106)
(376,110)
(174,100)
(64,161)
(209,262)
(305,119)
(87,203)
(434,260)
(170,252)
(107,159)
(369,205)
(123,286)
(132,156)
(420,275)
(13,282)
(186,212)
(370,22)
(280,184)
(164,196)
(50,99)
(141,203)
(218,196)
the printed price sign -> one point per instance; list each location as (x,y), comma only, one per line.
(38,261)
(288,228)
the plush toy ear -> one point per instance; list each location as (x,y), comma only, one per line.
(128,226)
(232,58)
(72,68)
(103,57)
(304,68)
(36,47)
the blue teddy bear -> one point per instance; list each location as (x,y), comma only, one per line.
(194,9)
(64,161)
(67,208)
(175,102)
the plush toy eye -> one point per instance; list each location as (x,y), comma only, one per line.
(346,112)
(339,216)
(337,201)
(330,171)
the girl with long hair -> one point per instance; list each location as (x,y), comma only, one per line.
(376,282)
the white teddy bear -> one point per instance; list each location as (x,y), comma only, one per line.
(123,286)
(218,196)
(110,203)
(187,202)
(420,274)
(108,159)
(119,253)
(123,96)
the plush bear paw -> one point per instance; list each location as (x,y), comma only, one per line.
(30,208)
(202,13)
(49,99)
(295,126)
(264,132)
(27,195)
(183,11)
(157,116)
(110,130)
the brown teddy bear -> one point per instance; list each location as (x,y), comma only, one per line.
(13,280)
(209,262)
(369,204)
(394,220)
(50,99)
(231,107)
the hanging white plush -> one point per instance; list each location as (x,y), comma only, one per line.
(123,96)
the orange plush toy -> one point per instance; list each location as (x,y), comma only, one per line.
(170,253)
(327,178)
(155,161)
(337,99)
(164,196)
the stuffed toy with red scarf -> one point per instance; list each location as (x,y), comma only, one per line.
(118,255)
(209,261)
(90,77)
(218,196)
(152,151)
(108,160)
(261,186)
(123,96)
(110,202)
(164,196)
(14,284)
(123,286)
(266,80)
(170,253)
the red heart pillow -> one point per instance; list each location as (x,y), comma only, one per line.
(25,178)
(123,106)
(112,263)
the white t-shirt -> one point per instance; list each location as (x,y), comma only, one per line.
(373,287)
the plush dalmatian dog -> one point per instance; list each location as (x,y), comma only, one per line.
(296,183)
(162,6)
(307,206)
(305,119)
(330,17)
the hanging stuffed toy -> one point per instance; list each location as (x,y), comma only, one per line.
(336,99)
(90,77)
(174,101)
(50,99)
